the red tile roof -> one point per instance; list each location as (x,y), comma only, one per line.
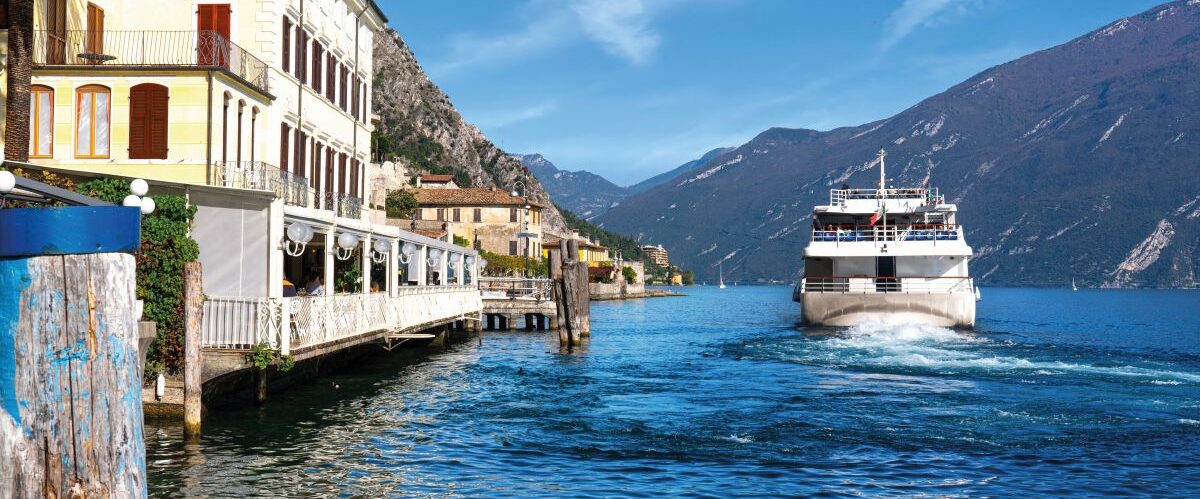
(431,233)
(433,177)
(473,196)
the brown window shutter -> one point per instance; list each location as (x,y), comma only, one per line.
(284,132)
(287,44)
(478,215)
(148,121)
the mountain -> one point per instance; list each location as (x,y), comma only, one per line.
(583,193)
(1078,161)
(665,177)
(589,195)
(420,130)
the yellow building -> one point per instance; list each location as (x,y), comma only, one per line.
(236,93)
(594,254)
(491,219)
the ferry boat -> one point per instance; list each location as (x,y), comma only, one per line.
(887,255)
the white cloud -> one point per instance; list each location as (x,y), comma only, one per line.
(500,119)
(915,14)
(622,27)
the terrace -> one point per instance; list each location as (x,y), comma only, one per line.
(148,49)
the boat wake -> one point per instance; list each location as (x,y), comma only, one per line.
(931,349)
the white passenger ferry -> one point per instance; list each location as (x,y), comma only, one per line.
(887,255)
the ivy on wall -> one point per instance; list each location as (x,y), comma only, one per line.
(166,246)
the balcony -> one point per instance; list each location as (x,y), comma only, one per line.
(260,176)
(887,284)
(306,322)
(515,288)
(155,49)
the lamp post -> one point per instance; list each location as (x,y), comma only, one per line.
(525,233)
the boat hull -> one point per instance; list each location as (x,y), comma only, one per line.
(849,309)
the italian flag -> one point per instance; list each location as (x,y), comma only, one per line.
(878,215)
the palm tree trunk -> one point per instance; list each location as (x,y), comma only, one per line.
(20,73)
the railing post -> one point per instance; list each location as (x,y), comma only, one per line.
(285,327)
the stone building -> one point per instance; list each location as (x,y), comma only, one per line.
(491,219)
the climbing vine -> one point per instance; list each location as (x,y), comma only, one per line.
(166,247)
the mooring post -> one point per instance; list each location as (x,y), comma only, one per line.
(571,285)
(70,385)
(557,265)
(193,363)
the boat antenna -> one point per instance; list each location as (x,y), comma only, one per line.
(882,154)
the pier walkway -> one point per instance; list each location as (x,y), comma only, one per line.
(511,303)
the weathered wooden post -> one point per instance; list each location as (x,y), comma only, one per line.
(193,363)
(556,287)
(70,386)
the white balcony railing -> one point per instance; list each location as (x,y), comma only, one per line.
(887,284)
(241,322)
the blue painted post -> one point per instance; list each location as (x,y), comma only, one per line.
(70,384)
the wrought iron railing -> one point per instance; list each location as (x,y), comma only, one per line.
(838,197)
(343,204)
(148,48)
(260,176)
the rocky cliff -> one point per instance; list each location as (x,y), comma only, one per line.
(1079,161)
(420,131)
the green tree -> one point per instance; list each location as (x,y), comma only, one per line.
(629,273)
(400,204)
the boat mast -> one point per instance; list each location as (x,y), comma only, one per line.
(882,186)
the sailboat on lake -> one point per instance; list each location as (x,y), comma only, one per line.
(721,275)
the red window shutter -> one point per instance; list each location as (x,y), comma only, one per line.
(316,165)
(159,119)
(342,174)
(316,66)
(287,44)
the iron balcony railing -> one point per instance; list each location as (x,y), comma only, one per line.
(877,233)
(343,204)
(148,48)
(260,176)
(887,284)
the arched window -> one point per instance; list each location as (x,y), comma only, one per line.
(41,117)
(148,118)
(92,109)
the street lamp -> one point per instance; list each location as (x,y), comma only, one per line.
(525,233)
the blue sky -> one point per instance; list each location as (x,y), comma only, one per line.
(631,88)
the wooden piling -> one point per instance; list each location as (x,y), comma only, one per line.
(193,362)
(70,387)
(570,279)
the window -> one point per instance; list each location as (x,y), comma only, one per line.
(317,59)
(56,31)
(301,55)
(253,126)
(457,216)
(285,133)
(92,119)
(148,121)
(94,42)
(354,96)
(478,215)
(331,77)
(212,25)
(41,116)
(225,129)
(512,214)
(287,45)
(318,154)
(241,111)
(343,182)
(342,90)
(512,248)
(441,214)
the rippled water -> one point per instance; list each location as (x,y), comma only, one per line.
(720,393)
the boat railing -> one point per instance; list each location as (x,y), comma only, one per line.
(838,197)
(888,284)
(892,233)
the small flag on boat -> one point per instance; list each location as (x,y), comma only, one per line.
(879,214)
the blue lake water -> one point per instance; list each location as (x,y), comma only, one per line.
(721,393)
